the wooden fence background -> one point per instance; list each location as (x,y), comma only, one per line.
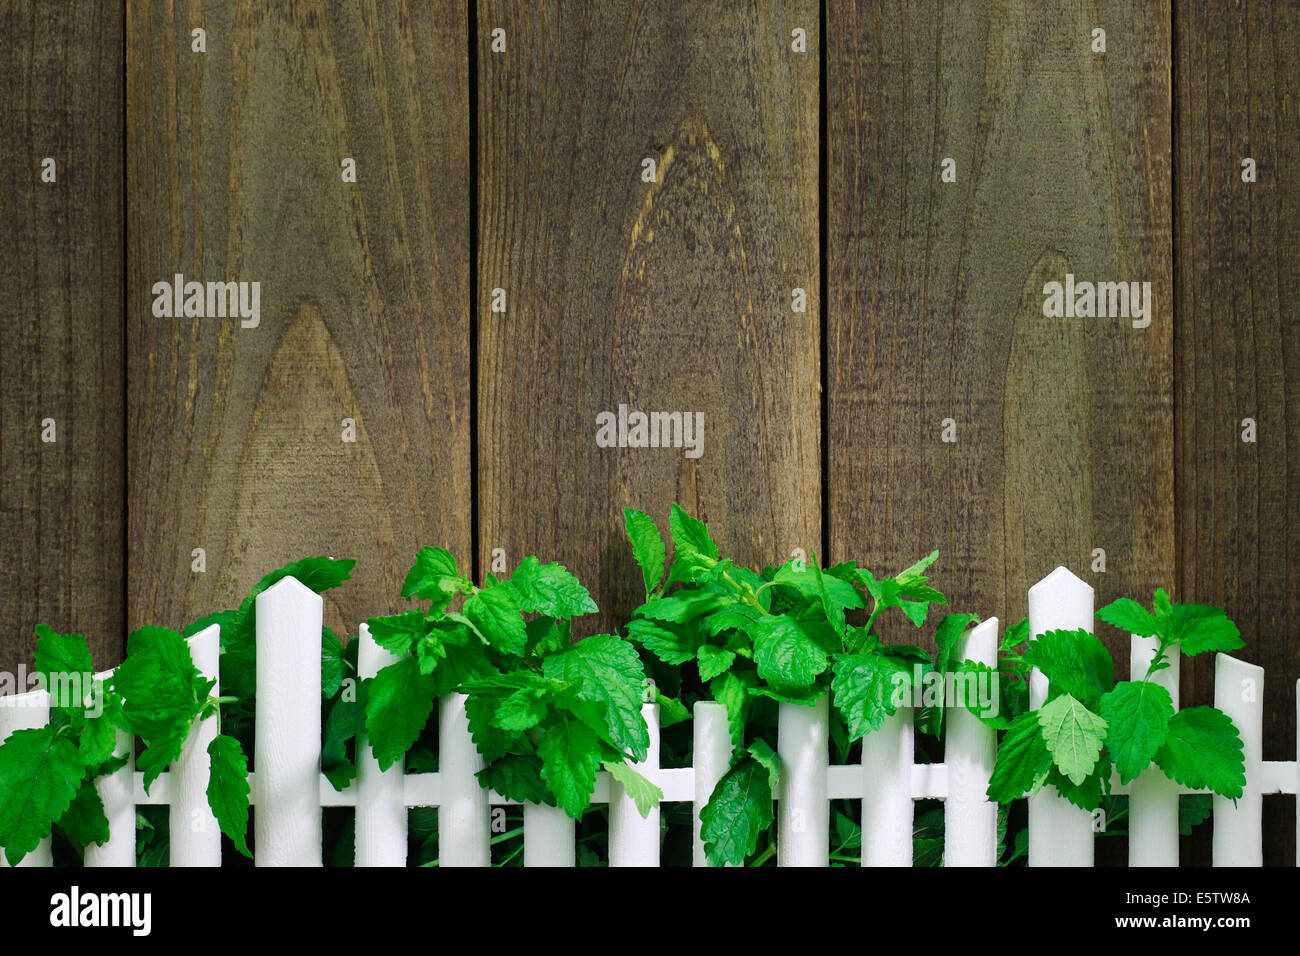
(520,171)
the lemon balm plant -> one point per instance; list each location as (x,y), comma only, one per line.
(1091,727)
(156,694)
(782,635)
(546,712)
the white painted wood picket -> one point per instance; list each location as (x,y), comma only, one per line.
(288,790)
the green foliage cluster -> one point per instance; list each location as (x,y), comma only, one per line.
(547,712)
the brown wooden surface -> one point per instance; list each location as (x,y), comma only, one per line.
(234,170)
(1238,349)
(61,535)
(1063,425)
(674,295)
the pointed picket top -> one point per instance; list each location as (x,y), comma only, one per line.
(981,644)
(287,584)
(1061,601)
(205,644)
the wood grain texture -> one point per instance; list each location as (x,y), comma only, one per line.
(61,505)
(666,296)
(235,435)
(1238,349)
(935,295)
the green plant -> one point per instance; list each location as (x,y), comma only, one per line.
(47,774)
(782,635)
(545,712)
(1090,724)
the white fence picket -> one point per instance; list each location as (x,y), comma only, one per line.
(1297,773)
(712,749)
(633,839)
(463,808)
(887,809)
(802,741)
(970,818)
(195,838)
(1060,834)
(548,836)
(117,791)
(29,711)
(1153,797)
(1238,833)
(381,799)
(287,818)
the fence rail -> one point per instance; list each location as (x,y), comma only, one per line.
(289,791)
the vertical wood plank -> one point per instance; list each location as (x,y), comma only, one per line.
(935,294)
(672,295)
(237,434)
(61,506)
(1238,347)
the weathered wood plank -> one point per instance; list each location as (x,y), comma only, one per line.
(236,434)
(1238,349)
(62,530)
(672,295)
(1063,426)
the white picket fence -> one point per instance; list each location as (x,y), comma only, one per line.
(289,791)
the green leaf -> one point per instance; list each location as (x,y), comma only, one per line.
(864,688)
(647,546)
(63,661)
(316,574)
(347,718)
(739,810)
(433,577)
(496,614)
(98,740)
(40,772)
(1023,760)
(162,748)
(228,789)
(551,590)
(644,794)
(1128,615)
(1203,749)
(685,605)
(397,632)
(1138,713)
(785,653)
(1193,810)
(517,777)
(949,632)
(332,664)
(915,574)
(84,821)
(1074,662)
(1200,627)
(1074,735)
(398,706)
(570,754)
(519,711)
(492,741)
(157,682)
(671,710)
(714,661)
(672,645)
(1015,635)
(607,671)
(768,759)
(693,548)
(732,691)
